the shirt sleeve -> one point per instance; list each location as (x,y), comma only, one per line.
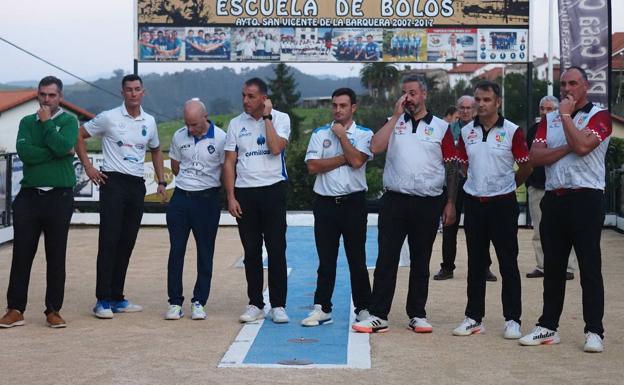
(461,150)
(315,148)
(98,125)
(519,147)
(600,125)
(174,152)
(449,151)
(282,125)
(154,142)
(540,132)
(362,143)
(230,138)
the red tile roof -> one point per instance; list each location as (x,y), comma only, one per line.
(11,99)
(617,42)
(466,68)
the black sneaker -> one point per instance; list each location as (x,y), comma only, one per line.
(443,275)
(490,277)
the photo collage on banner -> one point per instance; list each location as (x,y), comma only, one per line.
(357,44)
(256,44)
(452,45)
(401,45)
(207,44)
(161,43)
(503,45)
(306,44)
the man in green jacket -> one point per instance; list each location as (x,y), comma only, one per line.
(45,145)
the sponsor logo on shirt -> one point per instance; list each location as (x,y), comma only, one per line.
(144,130)
(185,146)
(211,149)
(471,138)
(131,159)
(244,132)
(261,140)
(139,146)
(400,129)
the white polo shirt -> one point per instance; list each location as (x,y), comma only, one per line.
(344,179)
(256,166)
(491,156)
(124,139)
(573,171)
(416,154)
(200,159)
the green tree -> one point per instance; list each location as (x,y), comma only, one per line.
(285,97)
(381,79)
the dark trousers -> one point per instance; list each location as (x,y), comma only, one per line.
(400,216)
(497,221)
(449,233)
(572,220)
(264,218)
(121,210)
(334,217)
(198,211)
(35,212)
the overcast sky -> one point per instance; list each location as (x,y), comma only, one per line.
(91,38)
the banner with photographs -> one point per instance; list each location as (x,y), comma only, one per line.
(283,31)
(334,13)
(497,45)
(452,45)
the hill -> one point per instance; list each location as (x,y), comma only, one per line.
(219,89)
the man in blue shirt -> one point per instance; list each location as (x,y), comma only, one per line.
(371,50)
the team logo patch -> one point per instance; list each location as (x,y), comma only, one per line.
(120,143)
(428,130)
(500,136)
(139,146)
(472,135)
(144,130)
(211,149)
(261,140)
(326,143)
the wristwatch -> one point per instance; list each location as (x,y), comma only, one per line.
(269,117)
(163,183)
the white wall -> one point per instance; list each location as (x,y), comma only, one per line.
(9,124)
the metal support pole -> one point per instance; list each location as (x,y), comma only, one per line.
(136,67)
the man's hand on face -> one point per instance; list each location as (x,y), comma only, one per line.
(268,107)
(339,130)
(44,113)
(567,105)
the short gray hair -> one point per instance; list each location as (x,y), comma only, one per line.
(464,97)
(552,99)
(415,78)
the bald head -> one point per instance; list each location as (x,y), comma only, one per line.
(196,117)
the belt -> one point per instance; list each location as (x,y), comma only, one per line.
(197,193)
(567,191)
(46,192)
(493,198)
(341,198)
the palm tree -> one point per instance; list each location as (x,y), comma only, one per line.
(381,79)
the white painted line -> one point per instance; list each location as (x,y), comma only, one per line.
(358,348)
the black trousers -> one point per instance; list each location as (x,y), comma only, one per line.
(400,216)
(449,233)
(572,220)
(264,218)
(497,221)
(333,217)
(121,210)
(34,212)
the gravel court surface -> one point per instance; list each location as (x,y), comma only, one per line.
(143,348)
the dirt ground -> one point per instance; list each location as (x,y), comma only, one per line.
(142,348)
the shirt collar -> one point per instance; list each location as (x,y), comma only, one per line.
(60,111)
(586,108)
(208,135)
(124,112)
(499,123)
(427,119)
(349,129)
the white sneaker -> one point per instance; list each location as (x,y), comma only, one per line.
(373,324)
(252,313)
(362,315)
(197,311)
(317,317)
(540,336)
(469,327)
(420,325)
(512,330)
(174,312)
(278,315)
(593,343)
